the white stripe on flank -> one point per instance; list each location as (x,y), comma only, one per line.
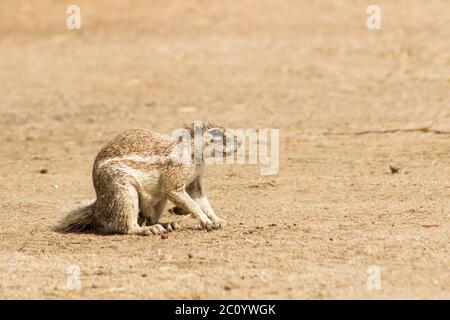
(136,158)
(179,154)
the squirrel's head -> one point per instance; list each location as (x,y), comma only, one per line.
(212,139)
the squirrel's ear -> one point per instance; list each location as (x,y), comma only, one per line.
(196,126)
(212,124)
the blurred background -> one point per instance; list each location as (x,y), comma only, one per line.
(309,68)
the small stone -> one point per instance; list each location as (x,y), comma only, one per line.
(43,171)
(164,236)
(190,255)
(394,169)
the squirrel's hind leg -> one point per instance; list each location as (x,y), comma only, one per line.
(119,212)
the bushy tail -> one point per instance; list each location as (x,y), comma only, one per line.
(78,220)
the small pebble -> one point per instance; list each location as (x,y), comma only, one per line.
(394,169)
(43,171)
(164,236)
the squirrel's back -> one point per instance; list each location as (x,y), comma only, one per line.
(142,142)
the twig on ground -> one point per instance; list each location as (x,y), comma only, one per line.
(426,129)
(393,130)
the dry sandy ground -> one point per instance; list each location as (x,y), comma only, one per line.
(310,68)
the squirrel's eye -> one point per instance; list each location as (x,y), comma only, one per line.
(215,132)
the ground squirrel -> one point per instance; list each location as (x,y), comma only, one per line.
(139,170)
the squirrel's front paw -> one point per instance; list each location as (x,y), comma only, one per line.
(207,224)
(219,223)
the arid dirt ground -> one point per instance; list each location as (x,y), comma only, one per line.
(309,68)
